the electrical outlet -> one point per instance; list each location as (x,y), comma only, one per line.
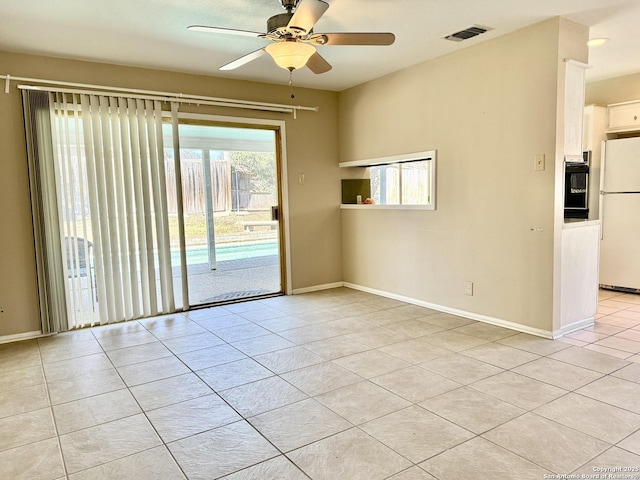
(468,288)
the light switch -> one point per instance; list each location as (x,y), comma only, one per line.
(301,178)
(538,162)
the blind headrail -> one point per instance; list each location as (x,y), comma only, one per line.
(84,88)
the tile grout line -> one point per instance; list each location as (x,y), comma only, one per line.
(53,417)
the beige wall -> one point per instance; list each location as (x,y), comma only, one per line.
(487,110)
(614,90)
(312,148)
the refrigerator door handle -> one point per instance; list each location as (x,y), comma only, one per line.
(601,209)
(603,161)
(628,192)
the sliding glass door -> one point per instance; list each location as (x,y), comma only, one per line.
(230,193)
(136,215)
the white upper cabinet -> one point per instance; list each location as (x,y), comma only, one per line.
(573,110)
(624,117)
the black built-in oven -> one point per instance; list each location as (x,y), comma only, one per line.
(576,188)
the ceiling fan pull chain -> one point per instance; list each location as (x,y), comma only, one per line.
(291,83)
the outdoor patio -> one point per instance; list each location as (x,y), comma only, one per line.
(232,280)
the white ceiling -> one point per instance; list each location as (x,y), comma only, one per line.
(153,34)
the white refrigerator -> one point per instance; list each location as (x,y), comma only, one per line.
(620,214)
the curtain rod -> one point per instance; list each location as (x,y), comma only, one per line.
(155,95)
(217,103)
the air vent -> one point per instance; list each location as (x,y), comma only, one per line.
(467,33)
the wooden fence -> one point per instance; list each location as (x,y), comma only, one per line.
(231,188)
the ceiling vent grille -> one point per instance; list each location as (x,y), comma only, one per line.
(467,33)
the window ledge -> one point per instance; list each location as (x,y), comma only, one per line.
(352,206)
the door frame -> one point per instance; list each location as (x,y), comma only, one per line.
(279,126)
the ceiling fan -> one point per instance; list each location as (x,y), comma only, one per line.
(293,39)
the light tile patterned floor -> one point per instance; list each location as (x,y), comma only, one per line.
(336,385)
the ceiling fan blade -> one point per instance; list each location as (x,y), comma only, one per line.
(353,38)
(226,31)
(317,64)
(238,62)
(307,13)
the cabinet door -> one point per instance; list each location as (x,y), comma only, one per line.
(624,117)
(573,111)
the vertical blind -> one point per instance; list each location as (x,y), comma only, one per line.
(105,176)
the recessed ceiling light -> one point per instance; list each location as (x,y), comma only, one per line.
(596,42)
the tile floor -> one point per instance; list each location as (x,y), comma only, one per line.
(331,385)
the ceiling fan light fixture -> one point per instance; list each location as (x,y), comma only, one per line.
(290,55)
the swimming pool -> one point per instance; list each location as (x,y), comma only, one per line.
(224,252)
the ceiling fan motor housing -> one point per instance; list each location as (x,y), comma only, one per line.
(279,21)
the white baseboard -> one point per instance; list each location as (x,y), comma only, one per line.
(20,336)
(454,311)
(317,288)
(572,327)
